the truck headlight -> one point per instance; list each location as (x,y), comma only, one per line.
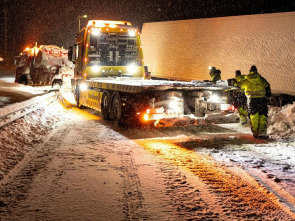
(95,68)
(83,87)
(132,33)
(132,68)
(95,32)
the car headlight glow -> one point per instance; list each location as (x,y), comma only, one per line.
(132,68)
(83,87)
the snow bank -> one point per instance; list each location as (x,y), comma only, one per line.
(281,122)
(17,106)
(17,138)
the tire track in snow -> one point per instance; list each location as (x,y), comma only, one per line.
(134,208)
(237,197)
(16,188)
(189,196)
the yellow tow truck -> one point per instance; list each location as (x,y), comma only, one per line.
(110,77)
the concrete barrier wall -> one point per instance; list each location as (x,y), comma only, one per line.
(185,49)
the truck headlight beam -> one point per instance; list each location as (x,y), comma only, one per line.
(95,68)
(132,68)
(83,87)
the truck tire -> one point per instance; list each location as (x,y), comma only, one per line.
(56,84)
(105,105)
(117,109)
(24,79)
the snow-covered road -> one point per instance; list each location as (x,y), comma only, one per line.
(68,164)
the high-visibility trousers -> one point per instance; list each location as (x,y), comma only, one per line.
(258,124)
(243,113)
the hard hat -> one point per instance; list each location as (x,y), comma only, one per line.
(253,68)
(238,73)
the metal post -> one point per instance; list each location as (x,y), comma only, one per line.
(79,24)
(79,17)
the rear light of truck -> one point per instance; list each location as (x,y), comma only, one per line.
(48,51)
(63,53)
(151,114)
(145,117)
(227,107)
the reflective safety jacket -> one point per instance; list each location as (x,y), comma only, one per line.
(255,86)
(239,80)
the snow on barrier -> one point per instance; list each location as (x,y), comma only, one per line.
(185,49)
(14,111)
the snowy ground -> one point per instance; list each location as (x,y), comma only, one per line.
(71,159)
(63,163)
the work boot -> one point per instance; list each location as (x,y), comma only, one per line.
(243,122)
(262,130)
(263,135)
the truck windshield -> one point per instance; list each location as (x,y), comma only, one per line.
(113,49)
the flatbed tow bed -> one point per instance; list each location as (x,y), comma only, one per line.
(156,101)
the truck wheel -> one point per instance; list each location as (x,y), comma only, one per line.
(117,109)
(56,85)
(105,105)
(23,79)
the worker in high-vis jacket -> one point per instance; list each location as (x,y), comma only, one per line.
(240,100)
(258,92)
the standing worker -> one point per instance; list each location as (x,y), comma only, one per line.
(240,100)
(257,91)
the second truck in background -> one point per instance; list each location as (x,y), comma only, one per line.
(45,65)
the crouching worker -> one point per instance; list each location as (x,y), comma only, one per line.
(214,74)
(257,91)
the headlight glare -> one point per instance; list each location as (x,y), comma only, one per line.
(83,87)
(132,68)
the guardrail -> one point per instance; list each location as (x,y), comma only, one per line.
(12,112)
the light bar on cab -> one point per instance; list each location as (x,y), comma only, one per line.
(111,24)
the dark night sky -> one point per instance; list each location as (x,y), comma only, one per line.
(56,21)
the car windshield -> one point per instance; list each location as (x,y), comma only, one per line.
(112,49)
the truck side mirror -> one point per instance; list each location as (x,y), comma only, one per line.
(70,53)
